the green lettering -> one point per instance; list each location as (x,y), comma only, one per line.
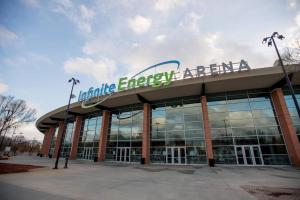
(141,81)
(131,84)
(122,81)
(169,78)
(148,79)
(157,79)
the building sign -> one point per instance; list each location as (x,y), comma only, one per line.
(161,78)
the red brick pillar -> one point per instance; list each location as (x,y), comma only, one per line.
(59,136)
(75,138)
(106,115)
(207,133)
(286,124)
(48,137)
(146,132)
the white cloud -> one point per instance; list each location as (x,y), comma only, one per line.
(140,24)
(97,47)
(100,69)
(3,87)
(86,13)
(293,3)
(160,38)
(293,33)
(81,15)
(30,132)
(31,3)
(6,36)
(166,5)
(193,50)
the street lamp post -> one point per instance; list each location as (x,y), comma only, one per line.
(270,40)
(74,82)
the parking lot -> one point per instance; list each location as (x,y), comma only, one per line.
(111,181)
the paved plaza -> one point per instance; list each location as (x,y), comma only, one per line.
(108,181)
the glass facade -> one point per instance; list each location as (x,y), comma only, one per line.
(244,130)
(177,132)
(52,145)
(88,144)
(66,146)
(292,108)
(245,119)
(124,139)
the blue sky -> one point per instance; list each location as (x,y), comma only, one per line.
(44,43)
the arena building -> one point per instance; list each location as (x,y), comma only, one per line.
(222,115)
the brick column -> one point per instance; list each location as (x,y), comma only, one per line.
(58,138)
(207,133)
(75,138)
(48,136)
(286,124)
(106,115)
(146,132)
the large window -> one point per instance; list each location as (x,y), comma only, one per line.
(292,108)
(66,146)
(124,139)
(245,118)
(53,140)
(177,123)
(89,137)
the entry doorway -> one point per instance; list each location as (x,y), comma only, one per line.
(88,153)
(123,154)
(248,155)
(176,155)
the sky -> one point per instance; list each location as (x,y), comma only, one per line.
(45,43)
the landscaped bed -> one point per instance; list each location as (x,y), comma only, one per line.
(6,168)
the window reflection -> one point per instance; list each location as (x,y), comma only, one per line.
(126,133)
(89,137)
(239,118)
(292,108)
(178,123)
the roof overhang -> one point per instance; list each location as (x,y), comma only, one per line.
(252,79)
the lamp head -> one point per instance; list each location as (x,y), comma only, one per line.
(281,37)
(270,43)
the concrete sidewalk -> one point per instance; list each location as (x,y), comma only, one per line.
(107,181)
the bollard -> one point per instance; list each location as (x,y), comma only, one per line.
(66,161)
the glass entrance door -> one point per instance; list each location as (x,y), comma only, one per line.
(88,153)
(176,155)
(248,155)
(123,154)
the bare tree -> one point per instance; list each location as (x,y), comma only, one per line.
(290,55)
(14,113)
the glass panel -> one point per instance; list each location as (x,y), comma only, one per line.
(175,155)
(169,155)
(248,155)
(240,115)
(182,155)
(243,131)
(271,130)
(174,116)
(273,149)
(238,107)
(242,123)
(257,156)
(245,140)
(261,105)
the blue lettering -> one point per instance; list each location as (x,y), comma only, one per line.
(112,88)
